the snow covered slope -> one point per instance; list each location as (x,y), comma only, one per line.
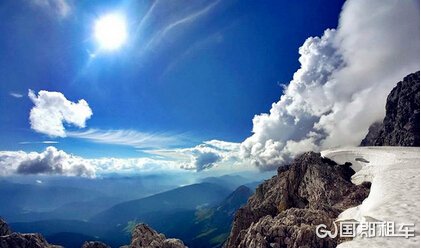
(395,192)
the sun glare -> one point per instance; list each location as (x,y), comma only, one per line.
(111,31)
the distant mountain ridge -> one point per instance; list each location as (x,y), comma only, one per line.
(184,198)
(202,222)
(15,197)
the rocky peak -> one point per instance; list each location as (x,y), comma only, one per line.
(94,244)
(26,240)
(4,228)
(285,210)
(145,237)
(401,125)
(9,239)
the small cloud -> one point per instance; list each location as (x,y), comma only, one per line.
(38,142)
(16,95)
(203,156)
(202,160)
(38,181)
(50,142)
(52,110)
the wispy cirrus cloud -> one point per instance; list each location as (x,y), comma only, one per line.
(39,142)
(164,22)
(132,138)
(179,22)
(59,8)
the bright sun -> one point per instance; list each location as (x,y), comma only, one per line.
(111,31)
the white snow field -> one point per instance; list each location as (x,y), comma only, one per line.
(395,191)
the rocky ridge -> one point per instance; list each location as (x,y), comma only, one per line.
(9,239)
(94,244)
(401,125)
(142,237)
(286,209)
(145,237)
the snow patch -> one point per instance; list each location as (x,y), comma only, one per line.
(395,191)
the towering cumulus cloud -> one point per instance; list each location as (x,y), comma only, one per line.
(52,109)
(343,82)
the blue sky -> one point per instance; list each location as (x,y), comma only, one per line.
(204,79)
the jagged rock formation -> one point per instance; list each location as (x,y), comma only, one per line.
(9,239)
(26,240)
(286,209)
(145,237)
(4,228)
(94,244)
(401,126)
(142,237)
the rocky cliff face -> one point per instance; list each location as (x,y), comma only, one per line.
(286,209)
(401,126)
(145,237)
(4,228)
(142,237)
(26,240)
(9,239)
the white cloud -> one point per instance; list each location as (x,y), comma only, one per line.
(128,137)
(38,142)
(203,156)
(343,82)
(15,95)
(60,8)
(215,154)
(52,110)
(57,162)
(132,165)
(49,162)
